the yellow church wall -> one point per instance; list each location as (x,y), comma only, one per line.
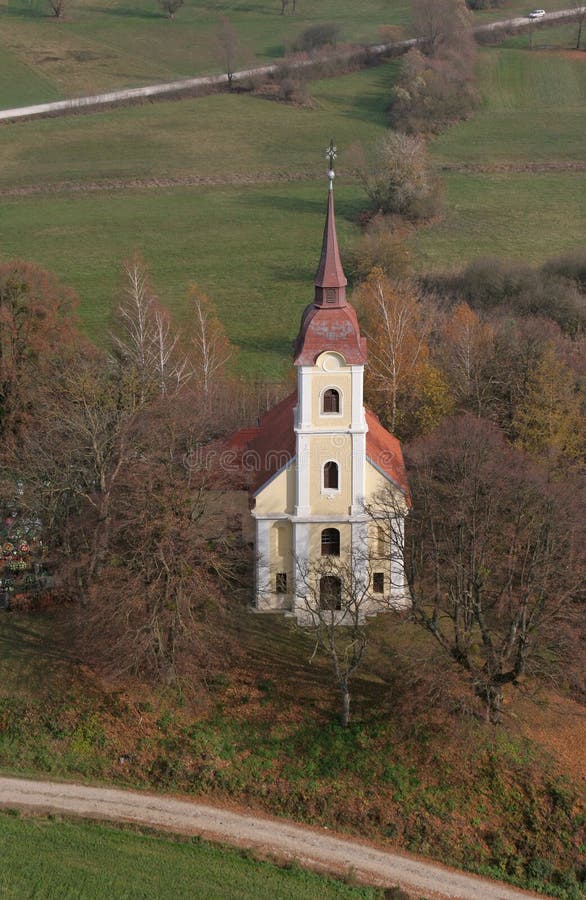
(278,496)
(376,484)
(337,448)
(281,552)
(340,380)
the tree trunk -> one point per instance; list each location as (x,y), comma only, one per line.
(345,717)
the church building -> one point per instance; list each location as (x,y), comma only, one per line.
(317,461)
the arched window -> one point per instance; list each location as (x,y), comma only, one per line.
(331,401)
(330,592)
(331,476)
(330,542)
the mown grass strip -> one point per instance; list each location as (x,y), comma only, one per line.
(71,860)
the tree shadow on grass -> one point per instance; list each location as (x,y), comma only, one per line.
(347,209)
(26,12)
(127,12)
(30,656)
(282,346)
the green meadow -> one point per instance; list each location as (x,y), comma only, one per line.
(532,112)
(119,44)
(66,860)
(98,47)
(513,176)
(224,135)
(253,250)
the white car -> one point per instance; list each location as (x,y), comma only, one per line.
(536,14)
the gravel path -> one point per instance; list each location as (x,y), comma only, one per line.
(312,847)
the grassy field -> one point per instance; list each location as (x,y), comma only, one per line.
(67,860)
(254,247)
(532,112)
(101,47)
(222,135)
(523,216)
(253,250)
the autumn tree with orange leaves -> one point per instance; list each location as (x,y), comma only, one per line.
(37,326)
(403,385)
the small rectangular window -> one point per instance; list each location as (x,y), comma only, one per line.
(378,582)
(281,583)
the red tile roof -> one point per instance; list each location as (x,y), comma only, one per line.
(334,329)
(266,449)
(384,451)
(330,273)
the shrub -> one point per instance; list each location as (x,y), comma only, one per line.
(399,178)
(485,4)
(552,291)
(571,266)
(432,92)
(316,36)
(294,90)
(382,245)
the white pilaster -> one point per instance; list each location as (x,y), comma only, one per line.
(302,475)
(304,397)
(300,563)
(358,472)
(358,419)
(263,567)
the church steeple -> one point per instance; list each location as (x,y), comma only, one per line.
(329,322)
(330,281)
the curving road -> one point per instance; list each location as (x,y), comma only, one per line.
(314,848)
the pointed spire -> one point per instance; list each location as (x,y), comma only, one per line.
(330,281)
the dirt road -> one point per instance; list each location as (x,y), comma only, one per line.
(315,848)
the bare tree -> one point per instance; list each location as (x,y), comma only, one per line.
(58,7)
(580,18)
(397,337)
(37,325)
(172,558)
(494,555)
(441,23)
(143,339)
(229,47)
(170,7)
(72,460)
(399,177)
(210,347)
(335,597)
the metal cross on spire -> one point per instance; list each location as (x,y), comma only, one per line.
(330,156)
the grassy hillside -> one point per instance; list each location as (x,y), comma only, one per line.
(265,735)
(254,247)
(101,47)
(232,136)
(67,860)
(532,112)
(254,250)
(514,173)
